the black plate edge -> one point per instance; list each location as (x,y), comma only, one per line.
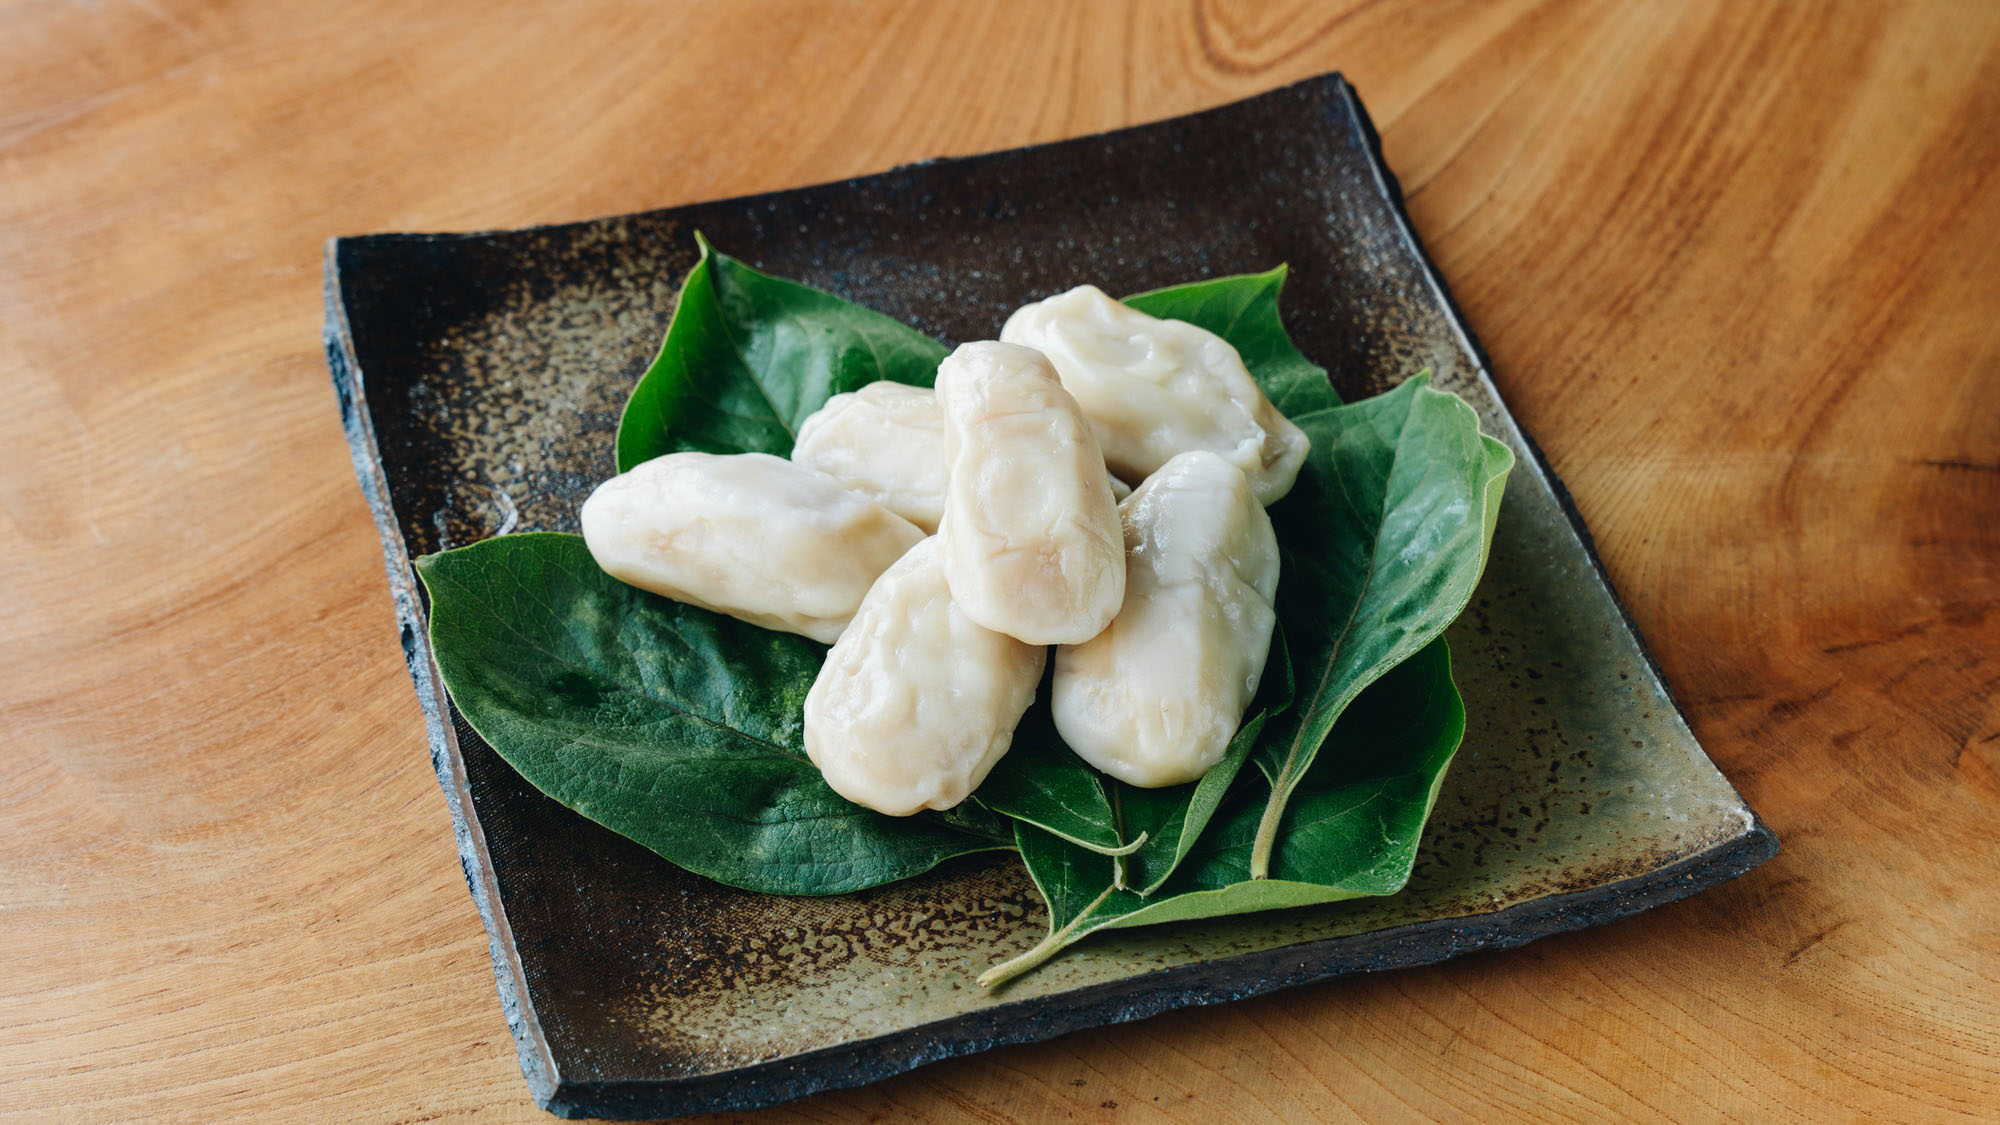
(768,1084)
(1185,986)
(530,1046)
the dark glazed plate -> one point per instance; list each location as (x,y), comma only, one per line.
(480,378)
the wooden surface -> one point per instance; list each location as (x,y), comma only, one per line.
(1738,266)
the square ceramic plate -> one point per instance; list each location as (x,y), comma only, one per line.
(481,375)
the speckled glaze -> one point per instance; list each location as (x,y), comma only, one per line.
(480,379)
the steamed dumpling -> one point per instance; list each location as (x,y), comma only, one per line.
(916,702)
(754,536)
(1153,388)
(1155,698)
(1030,532)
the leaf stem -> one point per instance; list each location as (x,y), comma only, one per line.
(1267,834)
(1046,948)
(1086,845)
(1120,851)
(1118,822)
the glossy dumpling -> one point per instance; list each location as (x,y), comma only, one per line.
(1030,532)
(916,702)
(885,441)
(1155,698)
(751,535)
(1154,388)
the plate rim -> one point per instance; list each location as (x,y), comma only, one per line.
(1195,984)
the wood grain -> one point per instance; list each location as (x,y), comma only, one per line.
(1738,266)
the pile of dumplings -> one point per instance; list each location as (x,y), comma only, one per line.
(942,540)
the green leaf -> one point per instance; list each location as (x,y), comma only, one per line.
(670,725)
(1382,541)
(1041,782)
(1170,820)
(748,356)
(1351,830)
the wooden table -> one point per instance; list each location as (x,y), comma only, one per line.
(1738,266)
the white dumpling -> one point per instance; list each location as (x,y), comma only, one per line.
(748,534)
(916,702)
(1153,388)
(885,441)
(1155,698)
(1030,531)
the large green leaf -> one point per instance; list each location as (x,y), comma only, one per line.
(1382,539)
(748,356)
(1351,829)
(671,725)
(1040,781)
